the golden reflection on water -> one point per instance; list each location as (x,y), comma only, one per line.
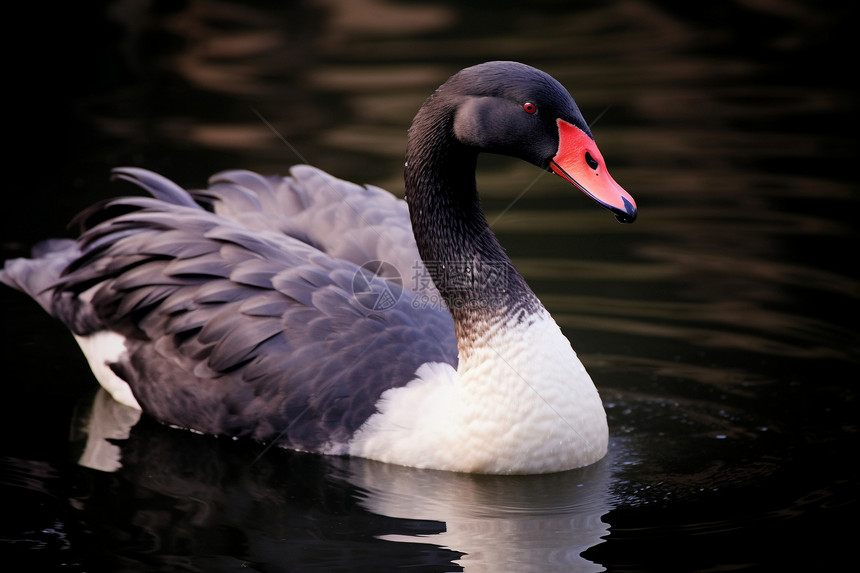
(739,323)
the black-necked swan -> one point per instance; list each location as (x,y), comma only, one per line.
(242,309)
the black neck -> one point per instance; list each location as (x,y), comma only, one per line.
(465,260)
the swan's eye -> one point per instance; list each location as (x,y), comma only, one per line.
(529,107)
(592,162)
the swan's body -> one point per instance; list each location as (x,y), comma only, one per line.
(253,308)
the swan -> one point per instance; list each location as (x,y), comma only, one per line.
(328,317)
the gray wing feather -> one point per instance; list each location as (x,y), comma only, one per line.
(237,301)
(156,185)
(344,220)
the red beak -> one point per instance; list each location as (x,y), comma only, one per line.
(580,162)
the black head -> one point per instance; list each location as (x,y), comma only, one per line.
(513,109)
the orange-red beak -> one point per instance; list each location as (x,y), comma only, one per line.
(580,162)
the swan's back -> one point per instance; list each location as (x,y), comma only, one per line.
(237,303)
(348,221)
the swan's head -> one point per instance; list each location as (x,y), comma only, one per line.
(514,109)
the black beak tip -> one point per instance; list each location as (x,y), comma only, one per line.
(628,215)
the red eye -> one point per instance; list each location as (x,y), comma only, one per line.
(529,107)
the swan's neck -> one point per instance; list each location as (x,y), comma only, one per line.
(469,267)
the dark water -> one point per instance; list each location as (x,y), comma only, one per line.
(720,328)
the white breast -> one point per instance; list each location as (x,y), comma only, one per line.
(521,402)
